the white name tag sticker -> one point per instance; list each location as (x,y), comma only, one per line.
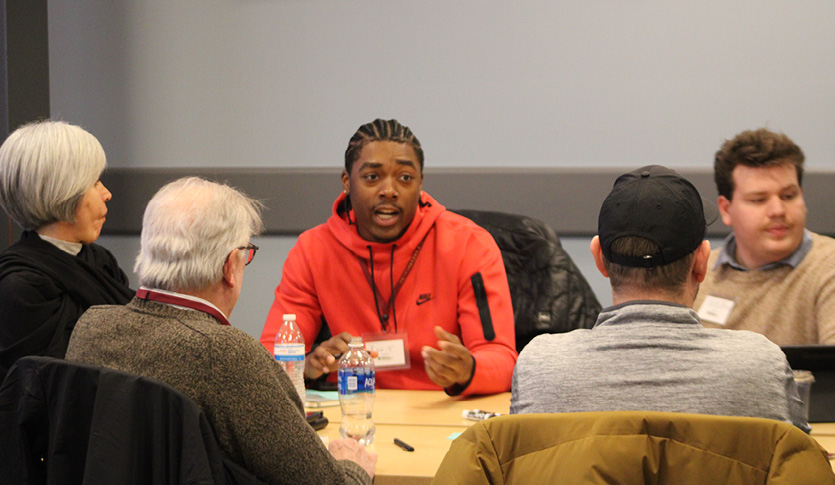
(715,309)
(391,349)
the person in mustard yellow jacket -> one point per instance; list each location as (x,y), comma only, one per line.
(634,448)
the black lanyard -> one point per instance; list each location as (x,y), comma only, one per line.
(382,314)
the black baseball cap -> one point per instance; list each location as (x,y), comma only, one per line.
(656,203)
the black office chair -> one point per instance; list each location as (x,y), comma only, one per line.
(63,422)
(548,291)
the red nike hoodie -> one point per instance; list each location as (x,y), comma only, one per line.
(457,282)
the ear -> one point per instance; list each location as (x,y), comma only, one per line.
(230,267)
(724,209)
(346,181)
(597,254)
(700,258)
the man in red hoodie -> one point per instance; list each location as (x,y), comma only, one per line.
(424,287)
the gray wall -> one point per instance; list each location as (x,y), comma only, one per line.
(284,83)
(494,87)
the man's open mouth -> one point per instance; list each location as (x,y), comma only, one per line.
(386,214)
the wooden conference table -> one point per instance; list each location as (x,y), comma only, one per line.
(429,421)
(426,420)
(824,433)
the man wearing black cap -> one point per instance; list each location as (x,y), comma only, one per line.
(649,350)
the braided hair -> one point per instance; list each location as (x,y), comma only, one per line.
(380,130)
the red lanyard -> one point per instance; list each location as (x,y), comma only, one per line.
(147,294)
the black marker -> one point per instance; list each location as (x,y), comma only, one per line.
(403,445)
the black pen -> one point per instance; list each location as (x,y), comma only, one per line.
(403,445)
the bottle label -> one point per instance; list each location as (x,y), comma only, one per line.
(289,352)
(353,381)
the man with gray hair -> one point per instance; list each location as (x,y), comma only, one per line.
(195,244)
(649,351)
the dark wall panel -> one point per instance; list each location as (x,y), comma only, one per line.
(27,50)
(24,68)
(298,199)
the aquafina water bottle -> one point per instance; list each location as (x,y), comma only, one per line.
(289,352)
(356,393)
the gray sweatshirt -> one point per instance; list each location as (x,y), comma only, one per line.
(656,356)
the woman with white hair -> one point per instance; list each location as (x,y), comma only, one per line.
(49,184)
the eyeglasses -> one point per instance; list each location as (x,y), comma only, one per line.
(250,252)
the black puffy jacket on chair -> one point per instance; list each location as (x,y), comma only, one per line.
(68,423)
(549,293)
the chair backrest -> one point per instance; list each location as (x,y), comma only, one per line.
(634,447)
(548,291)
(64,422)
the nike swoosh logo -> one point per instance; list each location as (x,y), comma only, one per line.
(421,301)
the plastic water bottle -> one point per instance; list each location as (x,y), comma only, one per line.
(356,393)
(289,352)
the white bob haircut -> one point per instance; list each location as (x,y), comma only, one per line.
(45,169)
(189,228)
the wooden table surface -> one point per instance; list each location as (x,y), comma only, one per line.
(427,420)
(824,433)
(425,408)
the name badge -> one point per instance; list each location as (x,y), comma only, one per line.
(715,309)
(393,350)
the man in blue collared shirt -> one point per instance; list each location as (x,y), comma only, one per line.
(771,275)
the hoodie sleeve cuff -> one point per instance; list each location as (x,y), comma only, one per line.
(457,389)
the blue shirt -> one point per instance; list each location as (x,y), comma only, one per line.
(728,254)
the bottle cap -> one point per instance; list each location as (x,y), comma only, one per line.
(290,316)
